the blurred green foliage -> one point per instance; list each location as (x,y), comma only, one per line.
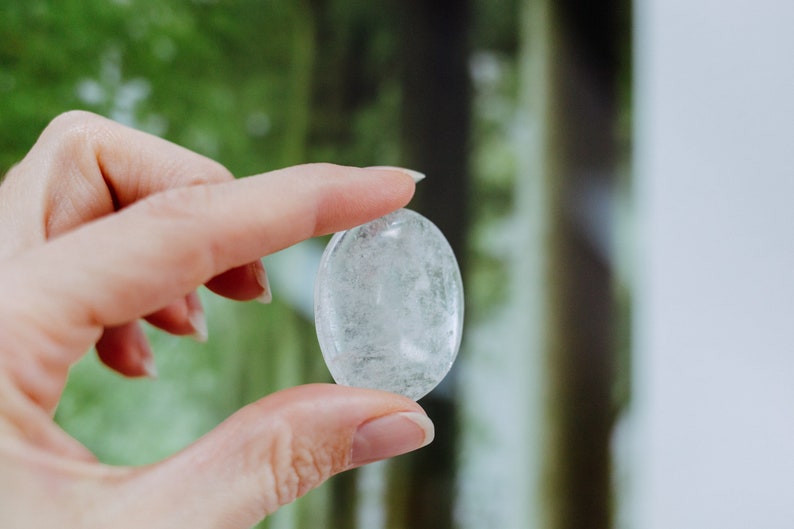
(254,84)
(246,82)
(258,85)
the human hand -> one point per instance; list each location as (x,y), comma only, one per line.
(101,226)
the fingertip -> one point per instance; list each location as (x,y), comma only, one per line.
(266,297)
(126,350)
(350,196)
(416,176)
(183,317)
(148,366)
(242,283)
(405,186)
(390,435)
(196,317)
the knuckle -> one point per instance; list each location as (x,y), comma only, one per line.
(178,204)
(72,118)
(187,168)
(75,128)
(82,134)
(296,467)
(71,140)
(214,172)
(180,212)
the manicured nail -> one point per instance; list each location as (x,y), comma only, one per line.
(196,317)
(198,320)
(389,436)
(149,367)
(261,277)
(416,175)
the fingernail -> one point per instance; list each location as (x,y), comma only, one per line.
(149,367)
(143,351)
(261,277)
(198,320)
(390,436)
(416,175)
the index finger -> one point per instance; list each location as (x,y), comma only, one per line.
(126,265)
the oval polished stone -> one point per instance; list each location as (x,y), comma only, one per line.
(388,305)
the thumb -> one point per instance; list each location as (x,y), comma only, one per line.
(274,451)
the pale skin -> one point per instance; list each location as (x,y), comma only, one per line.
(102,226)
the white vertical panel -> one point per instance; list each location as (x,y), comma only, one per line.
(713,411)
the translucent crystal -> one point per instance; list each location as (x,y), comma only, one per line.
(388,305)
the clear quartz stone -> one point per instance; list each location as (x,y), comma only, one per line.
(388,305)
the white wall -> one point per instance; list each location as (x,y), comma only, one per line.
(712,422)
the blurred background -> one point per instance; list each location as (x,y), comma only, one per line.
(615,178)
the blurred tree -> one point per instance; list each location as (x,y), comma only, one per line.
(436,122)
(571,66)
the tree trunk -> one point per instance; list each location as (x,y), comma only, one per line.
(435,138)
(569,84)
